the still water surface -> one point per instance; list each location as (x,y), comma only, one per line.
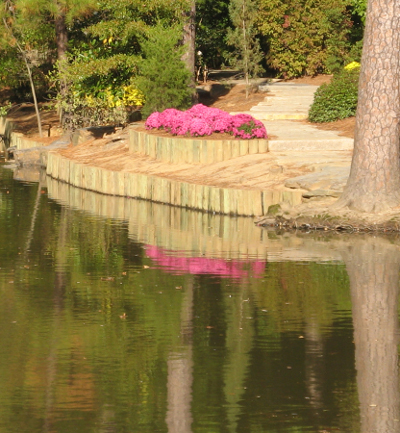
(125,316)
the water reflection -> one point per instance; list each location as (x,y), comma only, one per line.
(128,316)
(180,372)
(172,232)
(182,242)
(373,265)
(172,262)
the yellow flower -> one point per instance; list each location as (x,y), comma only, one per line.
(132,96)
(90,101)
(351,66)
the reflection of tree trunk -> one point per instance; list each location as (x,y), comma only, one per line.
(180,372)
(239,341)
(179,417)
(314,363)
(33,219)
(58,295)
(373,266)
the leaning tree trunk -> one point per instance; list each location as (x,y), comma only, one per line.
(30,76)
(374,182)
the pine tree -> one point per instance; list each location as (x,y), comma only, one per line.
(247,54)
(163,76)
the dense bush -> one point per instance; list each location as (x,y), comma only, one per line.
(111,106)
(336,100)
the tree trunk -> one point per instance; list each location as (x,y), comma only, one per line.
(62,46)
(374,182)
(189,39)
(33,89)
(246,47)
(373,266)
(61,37)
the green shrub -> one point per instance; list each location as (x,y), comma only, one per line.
(336,100)
(163,77)
(4,109)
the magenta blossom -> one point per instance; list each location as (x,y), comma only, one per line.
(201,120)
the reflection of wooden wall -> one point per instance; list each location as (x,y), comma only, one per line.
(191,233)
(160,190)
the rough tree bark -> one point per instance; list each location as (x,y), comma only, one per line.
(374,182)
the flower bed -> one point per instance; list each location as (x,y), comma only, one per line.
(164,147)
(201,121)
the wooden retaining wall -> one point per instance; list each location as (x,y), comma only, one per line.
(191,150)
(201,197)
(6,128)
(16,139)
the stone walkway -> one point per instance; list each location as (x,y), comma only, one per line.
(293,141)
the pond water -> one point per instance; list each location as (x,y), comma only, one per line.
(119,315)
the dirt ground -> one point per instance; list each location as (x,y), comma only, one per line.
(232,99)
(24,116)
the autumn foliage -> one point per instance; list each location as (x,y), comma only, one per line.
(306,36)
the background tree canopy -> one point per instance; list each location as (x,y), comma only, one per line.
(308,36)
(94,48)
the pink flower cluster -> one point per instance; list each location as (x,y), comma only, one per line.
(201,120)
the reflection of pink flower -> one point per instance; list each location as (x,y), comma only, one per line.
(201,120)
(204,265)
